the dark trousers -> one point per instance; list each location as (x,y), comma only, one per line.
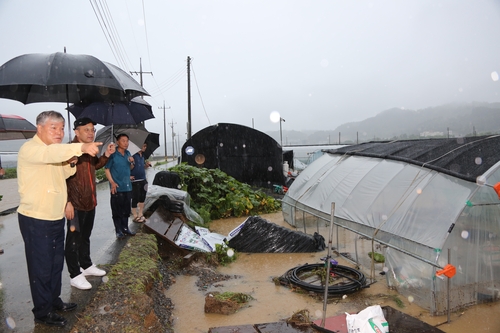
(139,190)
(120,210)
(77,248)
(44,249)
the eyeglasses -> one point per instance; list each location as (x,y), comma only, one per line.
(87,130)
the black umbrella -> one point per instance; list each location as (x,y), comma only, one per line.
(15,127)
(63,77)
(137,135)
(110,113)
(153,142)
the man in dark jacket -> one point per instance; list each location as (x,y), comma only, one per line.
(80,209)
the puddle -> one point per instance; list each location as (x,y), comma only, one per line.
(274,303)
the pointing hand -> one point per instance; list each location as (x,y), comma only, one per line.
(91,148)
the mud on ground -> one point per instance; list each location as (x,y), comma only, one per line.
(133,300)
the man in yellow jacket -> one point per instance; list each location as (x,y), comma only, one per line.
(42,168)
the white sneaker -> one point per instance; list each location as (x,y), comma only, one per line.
(94,271)
(80,282)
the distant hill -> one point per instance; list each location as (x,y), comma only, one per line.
(452,120)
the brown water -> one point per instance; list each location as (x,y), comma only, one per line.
(274,303)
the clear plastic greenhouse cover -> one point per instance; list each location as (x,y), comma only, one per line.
(420,212)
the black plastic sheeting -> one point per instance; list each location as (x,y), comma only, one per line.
(400,322)
(164,201)
(261,236)
(248,155)
(167,179)
(465,158)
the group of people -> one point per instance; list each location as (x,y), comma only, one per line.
(56,183)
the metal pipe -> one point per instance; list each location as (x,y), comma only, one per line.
(337,234)
(356,248)
(304,221)
(379,241)
(448,290)
(325,296)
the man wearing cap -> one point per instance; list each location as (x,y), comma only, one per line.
(80,208)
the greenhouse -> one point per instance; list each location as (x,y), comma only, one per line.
(422,204)
(248,155)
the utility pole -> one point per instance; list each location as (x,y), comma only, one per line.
(281,132)
(164,128)
(173,137)
(140,72)
(189,97)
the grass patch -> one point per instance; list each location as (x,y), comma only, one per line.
(137,266)
(221,255)
(100,175)
(10,173)
(398,301)
(233,297)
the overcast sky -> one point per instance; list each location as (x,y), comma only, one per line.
(318,63)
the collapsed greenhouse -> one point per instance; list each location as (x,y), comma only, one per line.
(422,203)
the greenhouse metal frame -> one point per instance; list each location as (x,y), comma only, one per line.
(422,203)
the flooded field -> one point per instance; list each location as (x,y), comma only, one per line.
(274,303)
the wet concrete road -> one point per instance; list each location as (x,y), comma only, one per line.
(17,303)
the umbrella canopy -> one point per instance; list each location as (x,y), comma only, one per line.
(153,142)
(15,127)
(110,113)
(63,77)
(137,135)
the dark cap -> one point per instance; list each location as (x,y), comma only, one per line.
(83,122)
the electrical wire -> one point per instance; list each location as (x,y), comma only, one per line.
(169,83)
(119,40)
(146,32)
(199,94)
(108,28)
(103,29)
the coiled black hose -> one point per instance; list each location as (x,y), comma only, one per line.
(357,278)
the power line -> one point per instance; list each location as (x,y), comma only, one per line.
(169,83)
(146,32)
(104,31)
(102,15)
(113,25)
(131,26)
(199,94)
(112,33)
(105,19)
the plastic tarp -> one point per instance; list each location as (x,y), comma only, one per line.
(257,235)
(414,203)
(418,212)
(171,197)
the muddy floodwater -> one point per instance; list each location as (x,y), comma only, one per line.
(275,303)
